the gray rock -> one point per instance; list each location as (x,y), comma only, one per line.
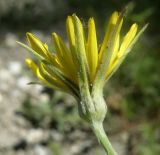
(22,82)
(15,67)
(35,136)
(41,150)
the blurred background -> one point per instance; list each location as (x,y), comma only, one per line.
(35,120)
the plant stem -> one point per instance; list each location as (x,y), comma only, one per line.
(102,138)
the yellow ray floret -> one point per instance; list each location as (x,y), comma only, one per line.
(37,45)
(128,39)
(30,63)
(64,57)
(112,22)
(92,49)
(48,78)
(70,32)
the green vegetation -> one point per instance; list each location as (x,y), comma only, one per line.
(54,114)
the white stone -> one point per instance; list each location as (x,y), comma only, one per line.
(44,98)
(36,135)
(15,67)
(40,150)
(22,82)
(4,75)
(6,80)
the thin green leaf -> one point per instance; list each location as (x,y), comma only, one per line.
(34,82)
(30,50)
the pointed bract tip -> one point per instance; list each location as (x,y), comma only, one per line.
(18,42)
(54,34)
(74,15)
(146,25)
(135,25)
(28,34)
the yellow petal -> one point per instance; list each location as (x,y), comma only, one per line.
(71,39)
(31,65)
(115,46)
(57,45)
(44,81)
(36,44)
(61,80)
(131,37)
(42,49)
(92,50)
(65,58)
(36,72)
(46,46)
(110,26)
(70,32)
(128,39)
(52,79)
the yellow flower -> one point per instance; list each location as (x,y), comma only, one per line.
(83,60)
(82,67)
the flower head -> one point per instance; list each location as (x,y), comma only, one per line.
(84,65)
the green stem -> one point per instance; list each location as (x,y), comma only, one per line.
(103,139)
